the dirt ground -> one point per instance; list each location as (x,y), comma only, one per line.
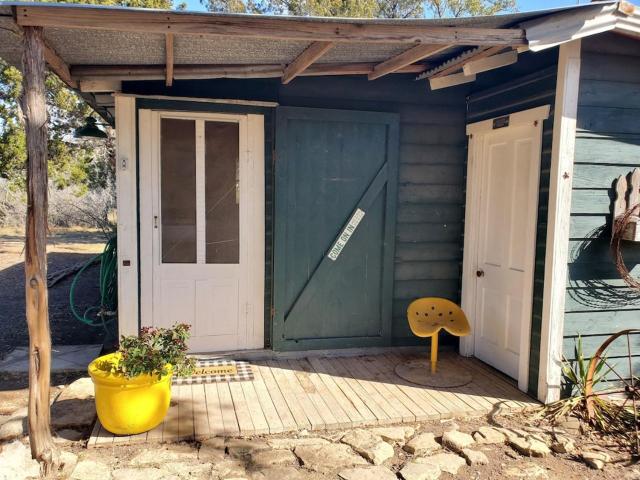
(65,248)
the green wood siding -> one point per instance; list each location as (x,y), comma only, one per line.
(607,145)
(528,84)
(432,156)
(331,164)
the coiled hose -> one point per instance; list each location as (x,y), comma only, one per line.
(104,313)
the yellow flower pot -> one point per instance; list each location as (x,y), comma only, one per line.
(128,406)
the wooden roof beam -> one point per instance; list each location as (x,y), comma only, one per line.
(86,73)
(310,30)
(169,59)
(310,54)
(59,66)
(457,65)
(415,54)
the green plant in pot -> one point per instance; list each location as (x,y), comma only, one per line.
(133,385)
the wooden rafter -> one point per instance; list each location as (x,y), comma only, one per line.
(193,72)
(169,59)
(86,17)
(59,66)
(456,65)
(415,54)
(310,54)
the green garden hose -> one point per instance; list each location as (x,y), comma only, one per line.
(104,313)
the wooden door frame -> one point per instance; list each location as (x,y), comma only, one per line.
(252,142)
(476,132)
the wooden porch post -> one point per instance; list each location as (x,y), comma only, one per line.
(35,264)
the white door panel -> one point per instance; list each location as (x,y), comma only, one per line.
(204,226)
(508,159)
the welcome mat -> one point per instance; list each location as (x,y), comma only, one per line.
(217,370)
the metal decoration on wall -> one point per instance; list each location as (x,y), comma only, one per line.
(626,217)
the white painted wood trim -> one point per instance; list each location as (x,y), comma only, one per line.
(255,124)
(476,133)
(519,118)
(127,211)
(228,101)
(147,153)
(558,223)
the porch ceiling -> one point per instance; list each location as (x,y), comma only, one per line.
(94,48)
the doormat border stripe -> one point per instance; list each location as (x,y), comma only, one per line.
(244,372)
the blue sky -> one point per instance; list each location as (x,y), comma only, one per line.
(523,5)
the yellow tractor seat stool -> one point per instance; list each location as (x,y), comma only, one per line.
(427,316)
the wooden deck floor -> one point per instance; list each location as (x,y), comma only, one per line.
(319,393)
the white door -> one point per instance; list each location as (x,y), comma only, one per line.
(506,166)
(206,229)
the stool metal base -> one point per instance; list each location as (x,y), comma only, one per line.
(419,372)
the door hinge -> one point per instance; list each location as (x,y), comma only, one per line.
(273,311)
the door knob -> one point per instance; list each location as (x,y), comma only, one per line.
(480,273)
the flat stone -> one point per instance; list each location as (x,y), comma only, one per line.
(74,408)
(422,444)
(239,447)
(145,473)
(446,462)
(563,444)
(529,471)
(16,462)
(64,358)
(474,457)
(367,473)
(292,443)
(16,426)
(229,468)
(420,471)
(595,460)
(68,462)
(91,470)
(280,473)
(199,471)
(529,446)
(394,434)
(159,456)
(327,458)
(489,435)
(369,445)
(457,441)
(273,458)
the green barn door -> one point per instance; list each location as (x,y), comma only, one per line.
(335,197)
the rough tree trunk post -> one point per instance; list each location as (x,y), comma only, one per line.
(35,263)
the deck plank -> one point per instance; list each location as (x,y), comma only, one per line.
(200,413)
(304,377)
(185,424)
(260,424)
(288,382)
(214,413)
(352,366)
(334,404)
(241,408)
(391,382)
(366,415)
(388,393)
(170,429)
(284,412)
(269,410)
(229,418)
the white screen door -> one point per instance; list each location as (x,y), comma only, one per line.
(204,230)
(506,166)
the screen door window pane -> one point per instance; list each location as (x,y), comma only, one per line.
(222,195)
(178,190)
